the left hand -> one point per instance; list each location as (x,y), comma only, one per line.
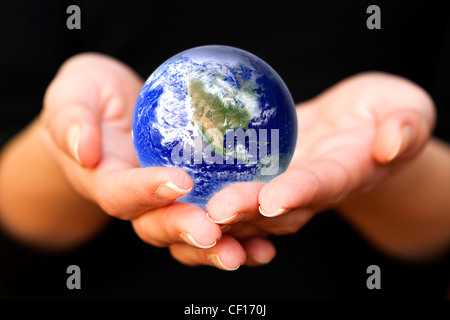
(350,138)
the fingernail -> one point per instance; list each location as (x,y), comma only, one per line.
(403,142)
(186,237)
(223,221)
(73,140)
(169,191)
(214,257)
(273,214)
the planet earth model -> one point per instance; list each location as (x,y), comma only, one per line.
(221,114)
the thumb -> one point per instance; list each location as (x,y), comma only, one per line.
(400,136)
(75,129)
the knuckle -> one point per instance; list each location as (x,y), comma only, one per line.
(284,229)
(109,205)
(292,222)
(182,178)
(290,229)
(294,228)
(176,251)
(139,194)
(143,233)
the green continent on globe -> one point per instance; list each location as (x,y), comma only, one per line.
(215,113)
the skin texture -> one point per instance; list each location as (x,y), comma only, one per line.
(363,146)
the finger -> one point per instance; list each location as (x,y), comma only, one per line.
(404,122)
(243,230)
(319,184)
(177,223)
(258,251)
(227,254)
(144,189)
(241,203)
(287,223)
(400,136)
(75,129)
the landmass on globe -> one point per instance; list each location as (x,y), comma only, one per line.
(221,114)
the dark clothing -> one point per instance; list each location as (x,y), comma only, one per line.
(312,45)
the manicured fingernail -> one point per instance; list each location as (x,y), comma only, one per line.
(73,140)
(186,237)
(403,142)
(169,191)
(214,257)
(273,214)
(222,221)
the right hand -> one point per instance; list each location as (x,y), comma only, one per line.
(86,127)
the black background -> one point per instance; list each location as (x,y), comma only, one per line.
(312,45)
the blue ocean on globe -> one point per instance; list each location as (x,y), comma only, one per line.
(221,114)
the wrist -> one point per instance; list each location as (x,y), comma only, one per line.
(37,203)
(408,213)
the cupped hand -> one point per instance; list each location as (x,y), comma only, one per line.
(86,126)
(350,138)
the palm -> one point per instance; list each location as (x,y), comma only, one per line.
(100,94)
(112,146)
(333,152)
(117,145)
(335,143)
(346,135)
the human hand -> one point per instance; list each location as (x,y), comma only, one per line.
(350,138)
(86,127)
